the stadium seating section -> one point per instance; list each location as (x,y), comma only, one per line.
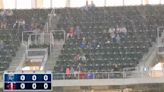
(100,46)
(96,49)
(11,37)
(8,48)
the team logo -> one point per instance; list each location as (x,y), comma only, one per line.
(11,77)
(11,86)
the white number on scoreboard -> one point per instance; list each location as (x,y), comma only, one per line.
(45,86)
(45,77)
(22,86)
(22,77)
(34,77)
(34,86)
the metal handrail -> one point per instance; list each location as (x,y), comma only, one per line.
(107,75)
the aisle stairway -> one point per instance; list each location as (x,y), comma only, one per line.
(55,52)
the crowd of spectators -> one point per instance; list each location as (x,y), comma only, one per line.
(114,35)
(117,34)
(89,8)
(107,39)
(5,17)
(9,20)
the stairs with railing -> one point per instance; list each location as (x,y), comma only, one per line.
(57,44)
(55,52)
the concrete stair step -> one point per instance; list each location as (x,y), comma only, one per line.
(53,57)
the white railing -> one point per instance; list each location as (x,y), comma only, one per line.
(109,75)
(29,37)
(64,33)
(51,16)
(25,36)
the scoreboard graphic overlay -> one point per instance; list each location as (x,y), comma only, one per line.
(28,81)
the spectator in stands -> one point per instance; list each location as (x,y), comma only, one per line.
(80,57)
(22,23)
(16,24)
(68,72)
(5,18)
(9,13)
(90,75)
(83,45)
(112,32)
(77,57)
(19,23)
(86,5)
(92,5)
(4,24)
(9,17)
(76,73)
(91,8)
(71,32)
(124,30)
(82,74)
(83,58)
(85,8)
(122,33)
(84,40)
(3,14)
